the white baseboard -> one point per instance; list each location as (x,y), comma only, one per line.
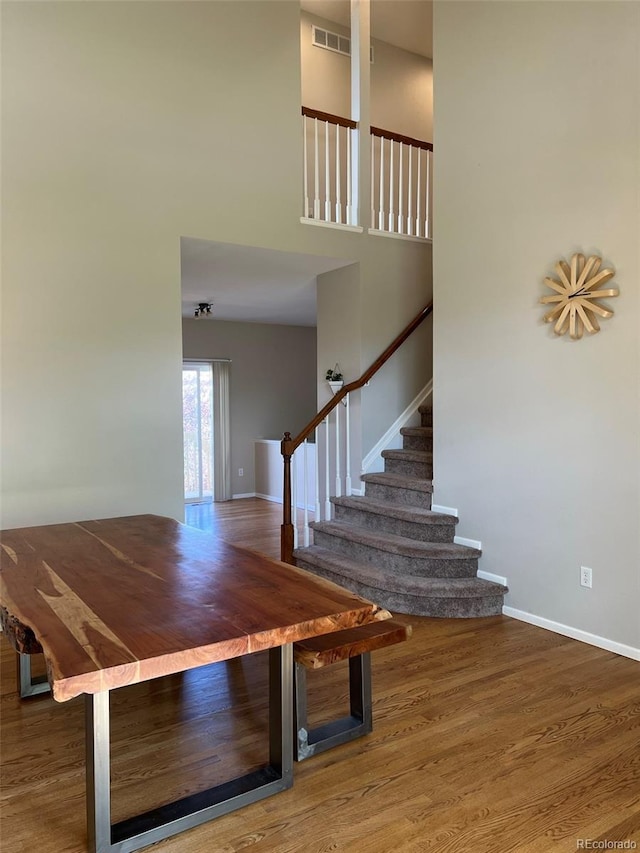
(247,495)
(446,510)
(487,576)
(470,543)
(395,427)
(574,633)
(357,493)
(277,500)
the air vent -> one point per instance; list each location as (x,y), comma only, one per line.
(331,41)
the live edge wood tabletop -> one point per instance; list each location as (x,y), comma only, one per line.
(122,600)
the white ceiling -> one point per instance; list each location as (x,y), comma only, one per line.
(251,285)
(404,23)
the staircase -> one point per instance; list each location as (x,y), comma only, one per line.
(388,546)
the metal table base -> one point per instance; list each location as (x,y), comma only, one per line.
(170,819)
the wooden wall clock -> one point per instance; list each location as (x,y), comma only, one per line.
(576,294)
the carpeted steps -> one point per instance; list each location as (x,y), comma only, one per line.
(390,547)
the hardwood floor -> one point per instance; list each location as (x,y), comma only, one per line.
(489,736)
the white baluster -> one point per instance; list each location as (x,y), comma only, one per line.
(305,489)
(327,488)
(294,502)
(373,206)
(381,199)
(410,199)
(418,194)
(347,448)
(391,194)
(427,205)
(338,483)
(306,166)
(327,176)
(318,514)
(316,180)
(400,193)
(338,204)
(349,144)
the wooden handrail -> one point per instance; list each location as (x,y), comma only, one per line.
(398,137)
(332,119)
(375,131)
(288,445)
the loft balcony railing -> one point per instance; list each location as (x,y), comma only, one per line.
(401,176)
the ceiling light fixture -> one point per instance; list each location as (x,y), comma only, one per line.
(203,309)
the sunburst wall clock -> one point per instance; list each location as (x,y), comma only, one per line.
(576,294)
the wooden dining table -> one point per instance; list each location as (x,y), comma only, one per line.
(113,602)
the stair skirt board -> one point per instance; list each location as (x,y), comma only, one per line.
(391,546)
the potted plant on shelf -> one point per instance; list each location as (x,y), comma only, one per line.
(334,378)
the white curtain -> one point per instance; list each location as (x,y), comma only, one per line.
(221,432)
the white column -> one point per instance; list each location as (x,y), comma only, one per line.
(410,199)
(360,99)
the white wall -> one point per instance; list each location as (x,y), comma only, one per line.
(401,82)
(272,382)
(537,438)
(126,126)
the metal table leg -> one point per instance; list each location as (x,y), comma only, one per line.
(28,685)
(170,819)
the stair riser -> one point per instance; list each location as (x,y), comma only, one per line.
(398,496)
(426,418)
(388,524)
(417,442)
(442,608)
(421,470)
(424,567)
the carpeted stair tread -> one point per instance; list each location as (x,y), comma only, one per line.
(418,432)
(407,584)
(415,514)
(400,481)
(408,455)
(394,544)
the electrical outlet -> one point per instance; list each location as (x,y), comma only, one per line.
(240,472)
(585,577)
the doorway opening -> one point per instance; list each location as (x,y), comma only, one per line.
(197,420)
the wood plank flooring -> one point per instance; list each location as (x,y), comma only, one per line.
(489,736)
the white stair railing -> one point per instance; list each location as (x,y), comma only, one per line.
(327,142)
(332,452)
(401,181)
